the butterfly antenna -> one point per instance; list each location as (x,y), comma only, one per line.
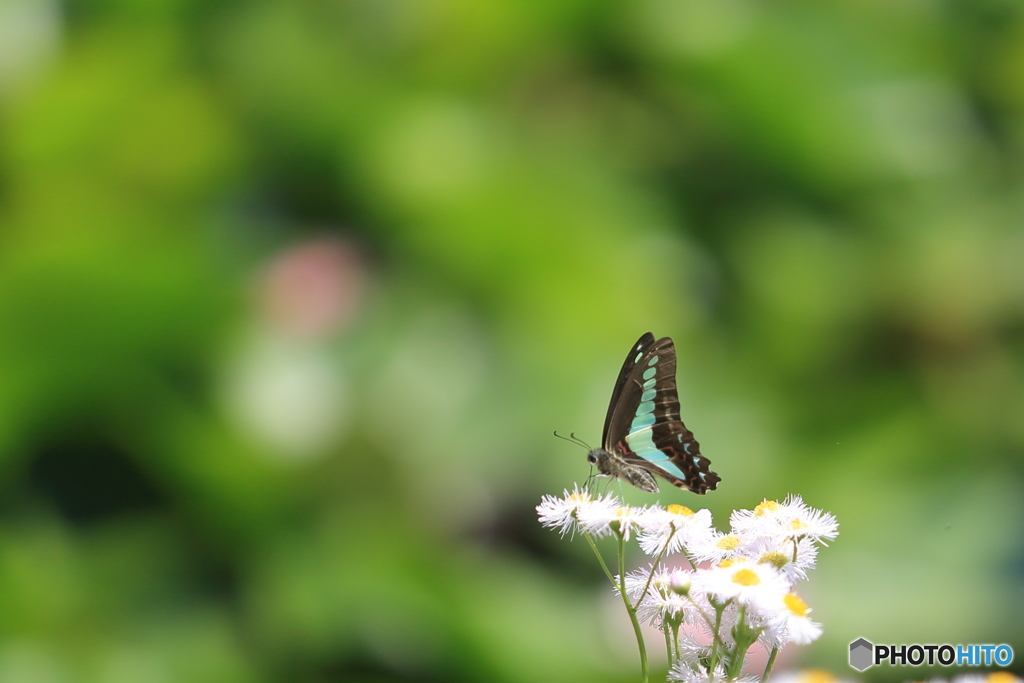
(580,441)
(572,440)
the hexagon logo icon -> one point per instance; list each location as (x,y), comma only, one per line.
(861,654)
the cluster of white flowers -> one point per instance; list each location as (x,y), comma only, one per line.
(993,677)
(822,676)
(736,587)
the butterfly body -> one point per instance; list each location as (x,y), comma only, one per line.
(615,466)
(643,434)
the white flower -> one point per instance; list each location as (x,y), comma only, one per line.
(744,581)
(564,513)
(691,652)
(992,677)
(790,556)
(656,596)
(673,528)
(660,605)
(792,622)
(761,521)
(685,673)
(605,519)
(716,547)
(637,581)
(809,676)
(672,599)
(804,521)
(791,519)
(671,605)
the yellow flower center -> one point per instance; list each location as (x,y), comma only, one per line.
(623,511)
(817,676)
(746,577)
(775,559)
(728,542)
(797,525)
(581,497)
(1001,677)
(765,507)
(795,605)
(679,510)
(726,563)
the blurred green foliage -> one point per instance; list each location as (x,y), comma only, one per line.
(292,295)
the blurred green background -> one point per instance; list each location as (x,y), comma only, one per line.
(293,294)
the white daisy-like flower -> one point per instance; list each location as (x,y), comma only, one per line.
(993,677)
(673,528)
(773,635)
(792,617)
(564,513)
(792,557)
(703,613)
(660,605)
(803,521)
(602,520)
(792,519)
(716,547)
(761,521)
(649,611)
(745,582)
(684,673)
(808,676)
(638,580)
(691,652)
(659,596)
(672,604)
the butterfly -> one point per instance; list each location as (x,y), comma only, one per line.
(643,434)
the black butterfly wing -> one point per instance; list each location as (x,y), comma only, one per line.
(643,425)
(613,421)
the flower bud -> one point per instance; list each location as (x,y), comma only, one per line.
(680,582)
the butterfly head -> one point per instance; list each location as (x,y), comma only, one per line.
(604,461)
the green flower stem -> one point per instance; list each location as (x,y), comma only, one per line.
(600,559)
(693,567)
(632,612)
(650,577)
(745,637)
(768,667)
(621,585)
(735,665)
(716,644)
